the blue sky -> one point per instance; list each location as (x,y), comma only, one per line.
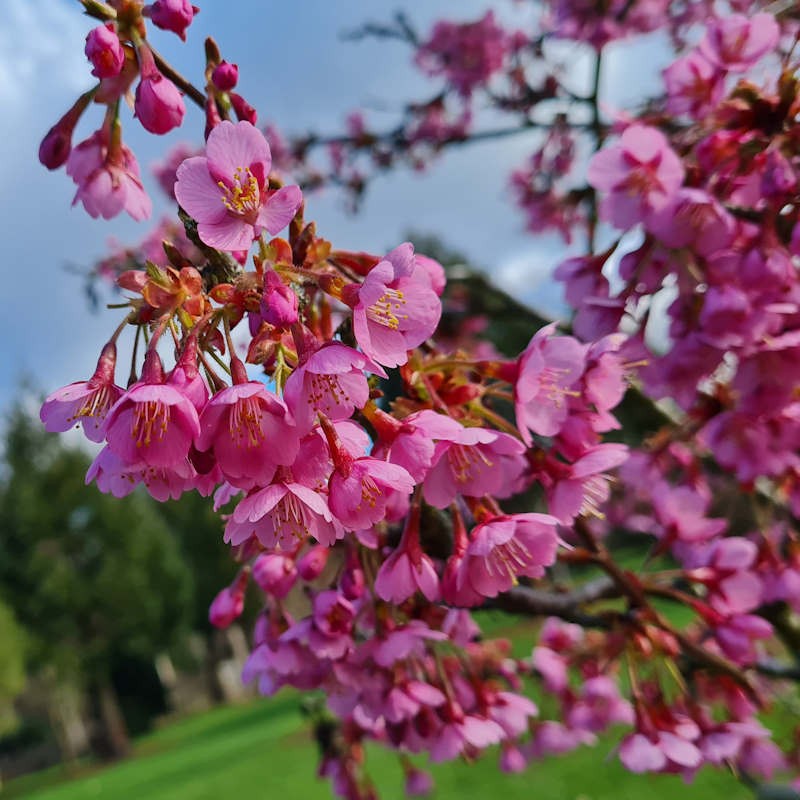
(298,72)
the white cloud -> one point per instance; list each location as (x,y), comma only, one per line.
(41,45)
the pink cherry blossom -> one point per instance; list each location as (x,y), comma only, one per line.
(152,422)
(548,368)
(107,176)
(85,402)
(360,489)
(395,309)
(247,428)
(158,105)
(172,15)
(105,52)
(408,568)
(227,190)
(471,462)
(331,381)
(638,175)
(282,515)
(735,42)
(507,547)
(275,573)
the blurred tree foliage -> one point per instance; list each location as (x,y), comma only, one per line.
(12,667)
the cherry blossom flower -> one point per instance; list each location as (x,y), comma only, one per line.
(243,425)
(227,190)
(85,402)
(639,175)
(395,309)
(107,176)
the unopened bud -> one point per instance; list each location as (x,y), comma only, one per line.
(225,76)
(104,51)
(244,111)
(172,15)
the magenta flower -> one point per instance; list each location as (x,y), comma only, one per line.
(278,302)
(84,402)
(282,515)
(395,309)
(331,381)
(107,176)
(227,190)
(693,218)
(735,42)
(694,85)
(585,486)
(408,568)
(152,422)
(474,462)
(639,175)
(119,478)
(506,547)
(360,489)
(548,369)
(247,428)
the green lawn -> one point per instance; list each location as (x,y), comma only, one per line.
(263,750)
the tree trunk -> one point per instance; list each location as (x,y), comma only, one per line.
(112,741)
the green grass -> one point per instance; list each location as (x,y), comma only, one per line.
(264,750)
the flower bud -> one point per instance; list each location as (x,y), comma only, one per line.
(310,566)
(227,606)
(244,111)
(57,143)
(173,15)
(279,302)
(159,105)
(104,51)
(229,603)
(275,573)
(56,146)
(225,76)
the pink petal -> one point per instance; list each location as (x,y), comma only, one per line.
(197,193)
(279,210)
(231,147)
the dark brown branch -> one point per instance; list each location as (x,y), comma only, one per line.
(565,605)
(185,85)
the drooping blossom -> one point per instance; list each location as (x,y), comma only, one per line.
(735,42)
(395,309)
(158,103)
(506,547)
(408,568)
(330,381)
(229,603)
(227,190)
(472,462)
(85,402)
(361,488)
(637,175)
(548,368)
(282,515)
(249,431)
(107,176)
(153,422)
(275,573)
